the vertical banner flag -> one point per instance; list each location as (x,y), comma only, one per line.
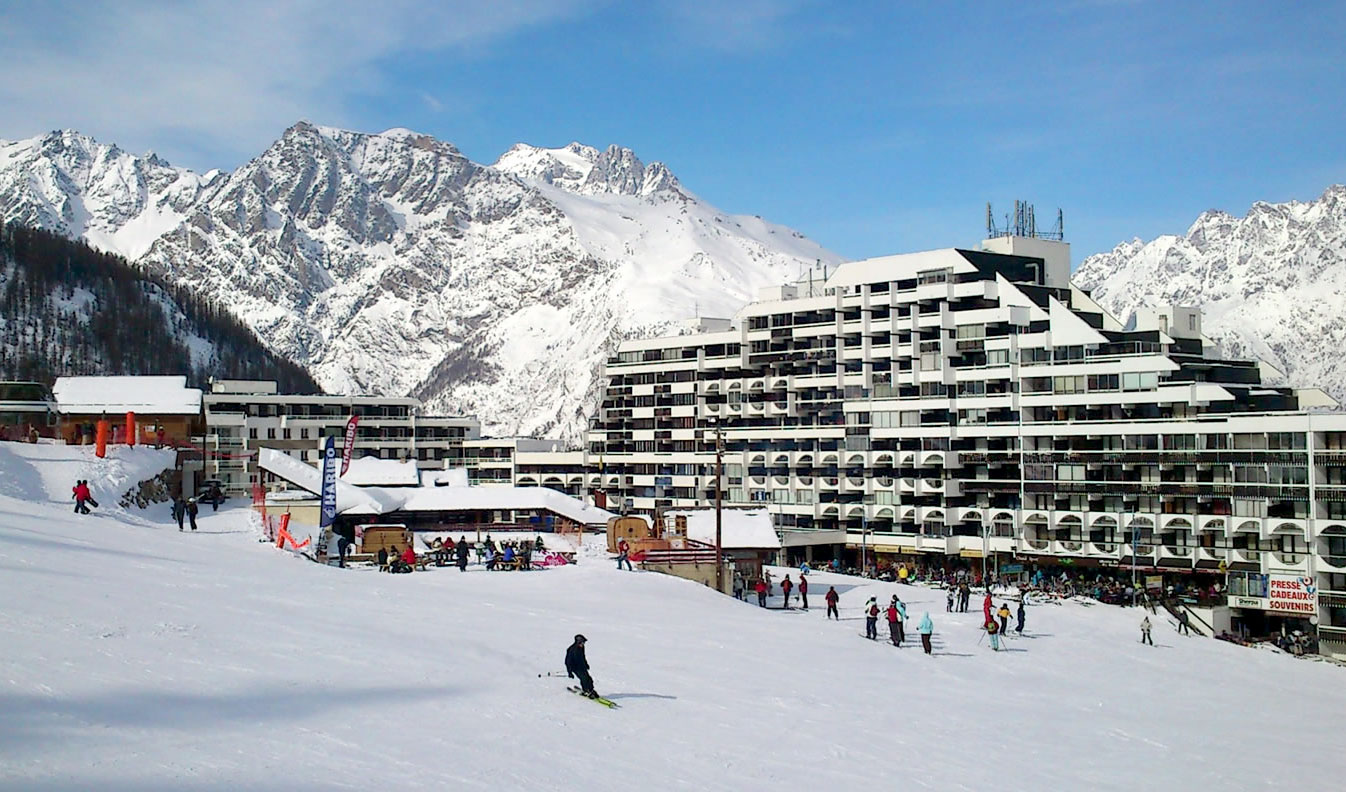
(350,444)
(329,476)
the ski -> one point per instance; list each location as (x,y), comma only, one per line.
(605,702)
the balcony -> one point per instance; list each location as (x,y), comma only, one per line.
(1212,554)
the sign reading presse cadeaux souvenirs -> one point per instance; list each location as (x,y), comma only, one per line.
(1292,594)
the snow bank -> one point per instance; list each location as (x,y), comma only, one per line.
(140,658)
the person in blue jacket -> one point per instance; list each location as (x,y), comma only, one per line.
(926,628)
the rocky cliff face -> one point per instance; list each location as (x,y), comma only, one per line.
(1271,284)
(391,263)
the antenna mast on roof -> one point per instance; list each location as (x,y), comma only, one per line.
(1024,223)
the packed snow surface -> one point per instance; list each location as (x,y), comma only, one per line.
(140,658)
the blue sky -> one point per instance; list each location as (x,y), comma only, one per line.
(873,127)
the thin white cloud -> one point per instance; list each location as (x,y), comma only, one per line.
(225,76)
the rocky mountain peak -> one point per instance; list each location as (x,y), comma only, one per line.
(1269,283)
(390,263)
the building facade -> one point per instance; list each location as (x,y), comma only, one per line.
(966,403)
(526,462)
(243,416)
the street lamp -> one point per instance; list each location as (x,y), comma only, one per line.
(719,518)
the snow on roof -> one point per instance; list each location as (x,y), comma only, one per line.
(498,497)
(740,529)
(113,395)
(306,476)
(380,500)
(372,471)
(452,477)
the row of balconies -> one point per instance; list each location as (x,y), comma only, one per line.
(1175,457)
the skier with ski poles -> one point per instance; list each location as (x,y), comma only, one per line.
(1145,631)
(926,628)
(577,665)
(872,619)
(785,587)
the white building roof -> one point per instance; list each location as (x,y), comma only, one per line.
(372,471)
(740,529)
(451,477)
(115,395)
(382,500)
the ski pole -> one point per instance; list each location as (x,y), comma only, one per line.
(553,674)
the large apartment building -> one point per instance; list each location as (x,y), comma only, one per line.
(243,416)
(972,402)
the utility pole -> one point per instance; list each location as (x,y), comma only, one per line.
(719,516)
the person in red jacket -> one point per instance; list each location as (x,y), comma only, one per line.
(804,591)
(760,588)
(624,555)
(409,557)
(832,598)
(785,587)
(893,622)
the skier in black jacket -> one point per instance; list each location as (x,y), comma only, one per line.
(461,547)
(578,666)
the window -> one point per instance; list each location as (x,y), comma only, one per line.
(1037,385)
(997,357)
(1073,384)
(1280,474)
(1140,381)
(911,417)
(1245,507)
(1104,382)
(1070,472)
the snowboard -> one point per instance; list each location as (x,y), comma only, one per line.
(605,702)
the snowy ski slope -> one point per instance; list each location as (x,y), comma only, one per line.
(135,657)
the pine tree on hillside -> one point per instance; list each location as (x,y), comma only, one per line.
(66,308)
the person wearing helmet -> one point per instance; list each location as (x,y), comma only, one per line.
(577,666)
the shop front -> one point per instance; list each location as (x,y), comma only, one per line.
(1271,606)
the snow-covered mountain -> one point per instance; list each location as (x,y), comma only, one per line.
(390,263)
(1272,283)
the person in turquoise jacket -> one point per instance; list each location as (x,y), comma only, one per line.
(926,628)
